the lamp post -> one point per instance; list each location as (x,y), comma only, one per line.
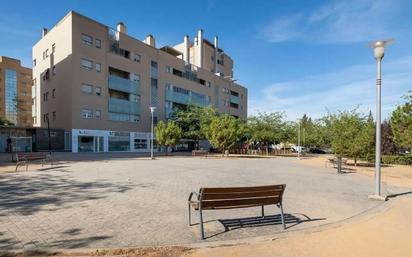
(379,51)
(152,110)
(298,140)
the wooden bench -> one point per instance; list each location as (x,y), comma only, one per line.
(25,158)
(334,162)
(200,153)
(218,198)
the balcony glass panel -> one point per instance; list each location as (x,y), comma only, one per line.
(234,99)
(123,106)
(124,85)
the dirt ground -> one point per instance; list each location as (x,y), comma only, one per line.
(394,175)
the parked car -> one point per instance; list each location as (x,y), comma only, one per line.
(317,151)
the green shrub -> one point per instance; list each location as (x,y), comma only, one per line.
(397,159)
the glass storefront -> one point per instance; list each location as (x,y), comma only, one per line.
(119,142)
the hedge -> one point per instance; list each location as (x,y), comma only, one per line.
(397,159)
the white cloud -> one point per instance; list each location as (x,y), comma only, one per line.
(337,22)
(340,90)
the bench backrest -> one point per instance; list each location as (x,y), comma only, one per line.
(235,197)
(20,156)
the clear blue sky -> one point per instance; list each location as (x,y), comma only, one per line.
(294,56)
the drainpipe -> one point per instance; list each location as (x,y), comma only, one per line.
(215,69)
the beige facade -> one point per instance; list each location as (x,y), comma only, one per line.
(90,77)
(15,92)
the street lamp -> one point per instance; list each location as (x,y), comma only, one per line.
(379,51)
(298,139)
(152,110)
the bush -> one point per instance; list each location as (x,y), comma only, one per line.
(397,159)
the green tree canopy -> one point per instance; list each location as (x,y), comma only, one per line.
(352,135)
(194,120)
(168,133)
(401,122)
(267,128)
(225,132)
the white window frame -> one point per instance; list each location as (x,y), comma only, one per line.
(85,85)
(83,61)
(87,113)
(98,65)
(98,43)
(85,41)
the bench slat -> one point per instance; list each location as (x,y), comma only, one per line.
(241,195)
(216,204)
(216,190)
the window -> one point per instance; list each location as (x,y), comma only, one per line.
(86,88)
(45,96)
(134,77)
(45,117)
(140,143)
(87,113)
(34,63)
(87,64)
(98,90)
(54,70)
(54,116)
(134,98)
(87,40)
(47,53)
(168,69)
(98,114)
(54,93)
(209,84)
(98,67)
(134,118)
(53,48)
(136,57)
(98,43)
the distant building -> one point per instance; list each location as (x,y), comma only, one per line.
(15,92)
(98,83)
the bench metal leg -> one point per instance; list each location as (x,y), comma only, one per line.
(202,233)
(263,211)
(190,214)
(282,216)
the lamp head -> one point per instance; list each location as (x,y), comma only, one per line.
(379,48)
(152,109)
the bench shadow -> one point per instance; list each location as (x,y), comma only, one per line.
(399,194)
(291,220)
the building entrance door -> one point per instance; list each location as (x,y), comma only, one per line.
(85,143)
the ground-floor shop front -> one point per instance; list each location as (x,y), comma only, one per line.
(86,140)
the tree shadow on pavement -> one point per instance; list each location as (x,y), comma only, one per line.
(25,195)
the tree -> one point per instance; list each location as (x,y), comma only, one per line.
(193,120)
(352,135)
(401,122)
(5,122)
(225,132)
(267,128)
(168,133)
(388,144)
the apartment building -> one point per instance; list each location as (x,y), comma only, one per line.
(15,92)
(98,83)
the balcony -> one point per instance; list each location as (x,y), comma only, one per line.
(123,85)
(123,106)
(192,98)
(234,99)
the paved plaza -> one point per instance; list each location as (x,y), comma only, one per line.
(137,201)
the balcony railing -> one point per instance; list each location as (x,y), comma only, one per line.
(124,85)
(234,99)
(185,99)
(123,106)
